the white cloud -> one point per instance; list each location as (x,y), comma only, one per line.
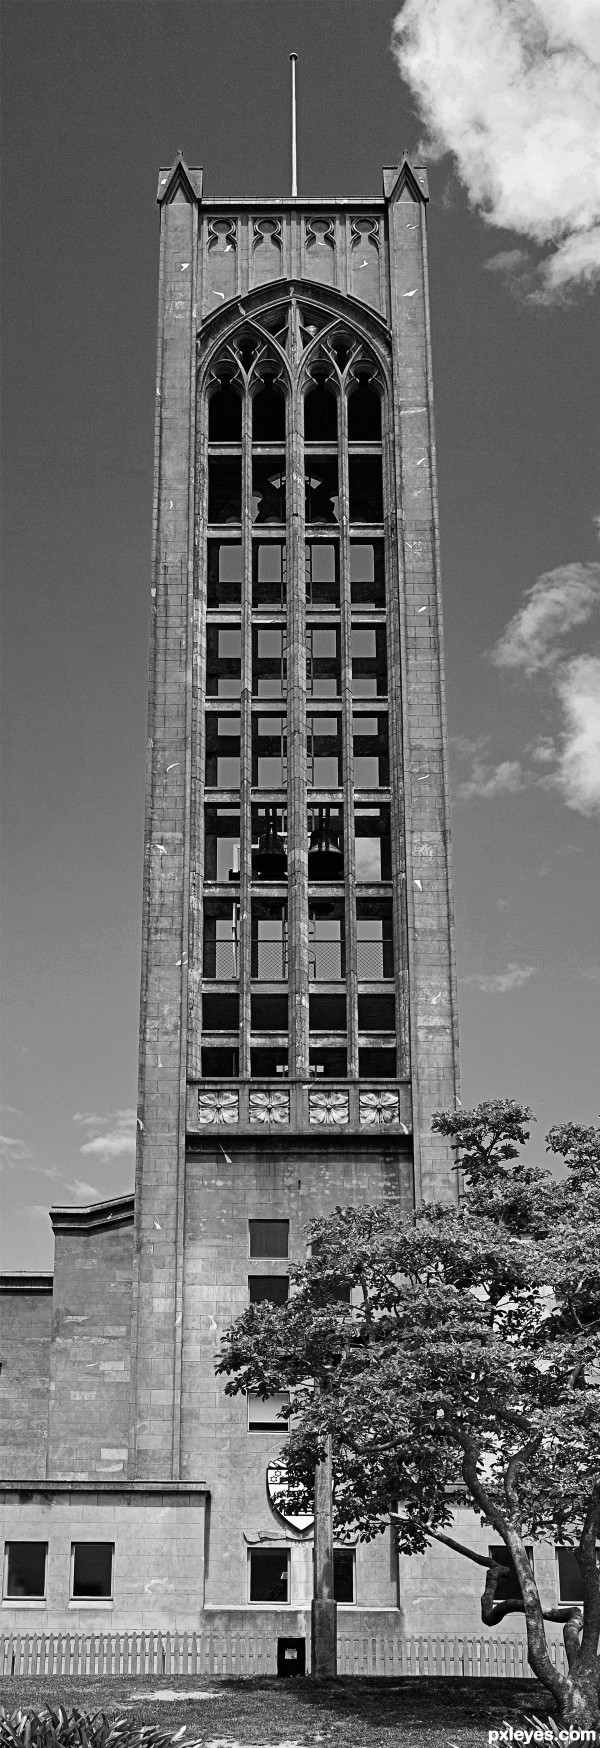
(13,1151)
(578,773)
(512,89)
(116,1137)
(80,1188)
(559,601)
(499,982)
(488,781)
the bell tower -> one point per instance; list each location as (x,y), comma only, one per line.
(298,1015)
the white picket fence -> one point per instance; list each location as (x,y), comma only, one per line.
(255,1653)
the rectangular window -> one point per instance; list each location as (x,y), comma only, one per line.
(507,1587)
(376,1013)
(92,1569)
(321,489)
(268,490)
(220,1064)
(367,573)
(323,668)
(369,661)
(225,491)
(375,940)
(221,1013)
(222,752)
(221,939)
(376,1064)
(223,661)
(269,665)
(274,1289)
(269,1013)
(373,847)
(268,941)
(328,1063)
(224,580)
(344,1575)
(221,845)
(269,1237)
(569,1575)
(268,1064)
(324,752)
(322,574)
(269,752)
(269,843)
(326,944)
(366,489)
(327,1013)
(25,1569)
(265,1416)
(371,755)
(268,574)
(269,1575)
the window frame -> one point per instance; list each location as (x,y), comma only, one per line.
(91,1600)
(286,1553)
(34,1598)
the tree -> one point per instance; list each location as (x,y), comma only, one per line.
(465,1370)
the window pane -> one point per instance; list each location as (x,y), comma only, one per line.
(224,585)
(269,1237)
(373,844)
(272,1289)
(224,491)
(322,583)
(367,573)
(268,574)
(92,1568)
(268,415)
(507,1587)
(366,494)
(569,1575)
(269,1576)
(220,1064)
(371,760)
(223,661)
(225,416)
(26,1568)
(222,752)
(343,1575)
(265,1416)
(268,490)
(322,502)
(222,844)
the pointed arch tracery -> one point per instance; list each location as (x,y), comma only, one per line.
(292,575)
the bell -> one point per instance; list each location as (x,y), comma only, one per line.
(325,858)
(269,861)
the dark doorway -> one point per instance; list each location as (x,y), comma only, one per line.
(291,1657)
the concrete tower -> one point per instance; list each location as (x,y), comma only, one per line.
(298,1012)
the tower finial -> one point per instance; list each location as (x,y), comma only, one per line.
(293,59)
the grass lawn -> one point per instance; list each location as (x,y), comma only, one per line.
(353,1712)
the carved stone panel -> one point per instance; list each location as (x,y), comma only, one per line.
(365,260)
(328,1108)
(379,1110)
(320,250)
(269,1107)
(218,1107)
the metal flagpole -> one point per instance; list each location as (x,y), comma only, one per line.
(293,59)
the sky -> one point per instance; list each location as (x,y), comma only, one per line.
(504,100)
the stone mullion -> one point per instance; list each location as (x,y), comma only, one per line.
(346,667)
(296,741)
(196,910)
(245,946)
(397,823)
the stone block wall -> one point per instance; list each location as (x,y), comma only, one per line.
(25,1330)
(89,1368)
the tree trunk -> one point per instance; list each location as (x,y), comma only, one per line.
(579,1707)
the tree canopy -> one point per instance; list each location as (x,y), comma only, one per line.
(464,1367)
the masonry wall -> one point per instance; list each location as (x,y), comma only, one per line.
(440,1591)
(89,1384)
(158,1564)
(25,1330)
(271,1180)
